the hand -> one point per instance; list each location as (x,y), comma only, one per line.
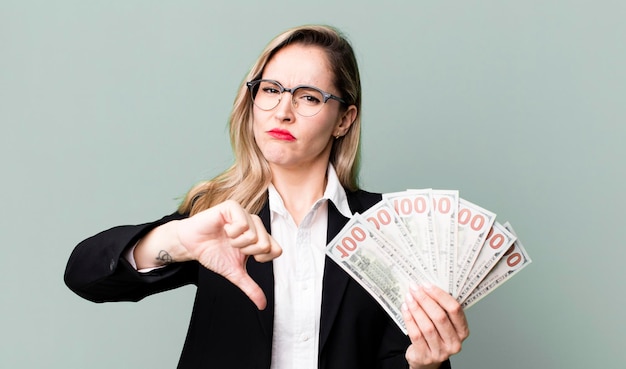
(436,325)
(222,238)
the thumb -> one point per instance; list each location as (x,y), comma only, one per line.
(250,288)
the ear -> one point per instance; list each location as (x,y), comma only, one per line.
(345,121)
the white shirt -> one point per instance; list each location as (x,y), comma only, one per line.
(298,275)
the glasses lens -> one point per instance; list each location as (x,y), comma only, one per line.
(308,101)
(266,95)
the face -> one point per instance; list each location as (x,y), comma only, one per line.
(287,139)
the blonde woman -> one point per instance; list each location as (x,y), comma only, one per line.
(275,301)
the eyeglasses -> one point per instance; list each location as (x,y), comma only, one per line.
(306,100)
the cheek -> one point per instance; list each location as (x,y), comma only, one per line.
(319,141)
(257,129)
(262,141)
(255,132)
(327,127)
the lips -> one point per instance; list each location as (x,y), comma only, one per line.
(281,134)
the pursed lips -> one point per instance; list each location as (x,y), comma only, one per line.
(281,134)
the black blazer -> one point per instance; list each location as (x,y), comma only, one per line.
(226,328)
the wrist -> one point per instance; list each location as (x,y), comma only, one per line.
(160,247)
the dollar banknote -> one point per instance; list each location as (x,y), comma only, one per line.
(361,254)
(414,207)
(514,259)
(387,222)
(498,242)
(474,224)
(445,215)
(427,236)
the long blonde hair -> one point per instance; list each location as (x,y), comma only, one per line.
(247,180)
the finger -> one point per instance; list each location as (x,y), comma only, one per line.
(274,251)
(453,309)
(449,341)
(250,288)
(418,350)
(248,234)
(412,329)
(264,248)
(267,248)
(262,240)
(423,321)
(240,227)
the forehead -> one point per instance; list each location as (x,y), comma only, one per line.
(300,65)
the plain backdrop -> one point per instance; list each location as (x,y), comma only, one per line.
(111,110)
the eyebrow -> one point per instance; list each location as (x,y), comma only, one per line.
(300,85)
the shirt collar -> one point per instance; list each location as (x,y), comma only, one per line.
(334,192)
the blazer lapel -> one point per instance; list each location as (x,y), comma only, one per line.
(263,275)
(335,279)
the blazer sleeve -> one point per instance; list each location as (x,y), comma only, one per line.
(97,271)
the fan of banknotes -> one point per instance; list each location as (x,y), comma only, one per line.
(427,236)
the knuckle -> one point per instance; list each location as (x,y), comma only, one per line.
(411,356)
(428,330)
(277,251)
(415,336)
(465,333)
(265,247)
(455,347)
(456,309)
(250,237)
(439,318)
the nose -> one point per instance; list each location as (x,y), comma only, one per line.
(285,109)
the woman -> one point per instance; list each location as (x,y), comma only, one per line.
(295,130)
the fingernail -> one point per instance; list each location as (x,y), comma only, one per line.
(414,286)
(403,307)
(427,285)
(409,298)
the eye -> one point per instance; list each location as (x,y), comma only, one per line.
(309,99)
(269,88)
(308,96)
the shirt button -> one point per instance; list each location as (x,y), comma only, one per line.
(304,337)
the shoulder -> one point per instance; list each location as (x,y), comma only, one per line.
(361,200)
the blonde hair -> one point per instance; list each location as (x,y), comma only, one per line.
(247,180)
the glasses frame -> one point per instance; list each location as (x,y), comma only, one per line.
(325,95)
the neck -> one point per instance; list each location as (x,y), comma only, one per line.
(299,189)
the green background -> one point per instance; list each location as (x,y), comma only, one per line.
(111,110)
